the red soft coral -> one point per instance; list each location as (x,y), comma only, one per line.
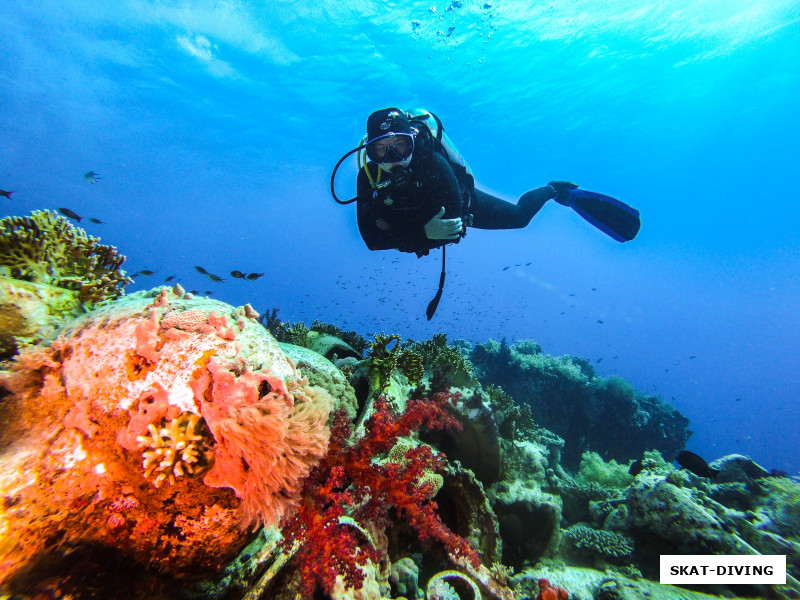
(548,591)
(348,480)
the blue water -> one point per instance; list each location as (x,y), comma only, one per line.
(214,127)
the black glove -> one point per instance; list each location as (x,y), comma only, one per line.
(561,191)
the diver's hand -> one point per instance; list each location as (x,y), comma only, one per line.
(561,191)
(443,229)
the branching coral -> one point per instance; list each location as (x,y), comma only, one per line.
(447,364)
(583,539)
(47,248)
(383,362)
(300,335)
(349,480)
(177,448)
(517,420)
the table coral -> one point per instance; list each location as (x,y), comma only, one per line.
(217,416)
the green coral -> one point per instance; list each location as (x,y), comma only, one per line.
(523,424)
(594,469)
(384,361)
(447,364)
(299,334)
(584,540)
(46,248)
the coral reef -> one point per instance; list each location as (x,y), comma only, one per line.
(323,338)
(176,448)
(439,587)
(323,373)
(383,361)
(567,398)
(175,439)
(191,395)
(46,248)
(348,480)
(583,540)
(404,578)
(50,270)
(445,364)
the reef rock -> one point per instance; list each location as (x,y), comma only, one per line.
(604,414)
(669,519)
(152,431)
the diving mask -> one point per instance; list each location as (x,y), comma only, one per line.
(391,148)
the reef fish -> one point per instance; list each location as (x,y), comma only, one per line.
(253,276)
(71,214)
(636,467)
(97,221)
(696,464)
(6,194)
(238,274)
(91,177)
(201,270)
(216,278)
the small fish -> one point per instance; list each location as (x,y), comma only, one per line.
(636,467)
(71,214)
(91,177)
(146,272)
(170,278)
(505,268)
(693,356)
(208,292)
(216,278)
(254,276)
(696,464)
(97,221)
(201,270)
(238,274)
(599,321)
(6,194)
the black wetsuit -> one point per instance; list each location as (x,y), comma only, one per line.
(414,195)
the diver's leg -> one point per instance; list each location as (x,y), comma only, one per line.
(490,212)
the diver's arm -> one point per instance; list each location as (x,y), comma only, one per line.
(441,186)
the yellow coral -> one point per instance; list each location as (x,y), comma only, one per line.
(175,449)
(46,248)
(398,455)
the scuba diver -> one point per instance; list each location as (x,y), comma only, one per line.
(417,192)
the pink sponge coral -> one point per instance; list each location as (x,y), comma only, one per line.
(142,419)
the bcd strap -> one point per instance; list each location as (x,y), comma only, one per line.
(434,304)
